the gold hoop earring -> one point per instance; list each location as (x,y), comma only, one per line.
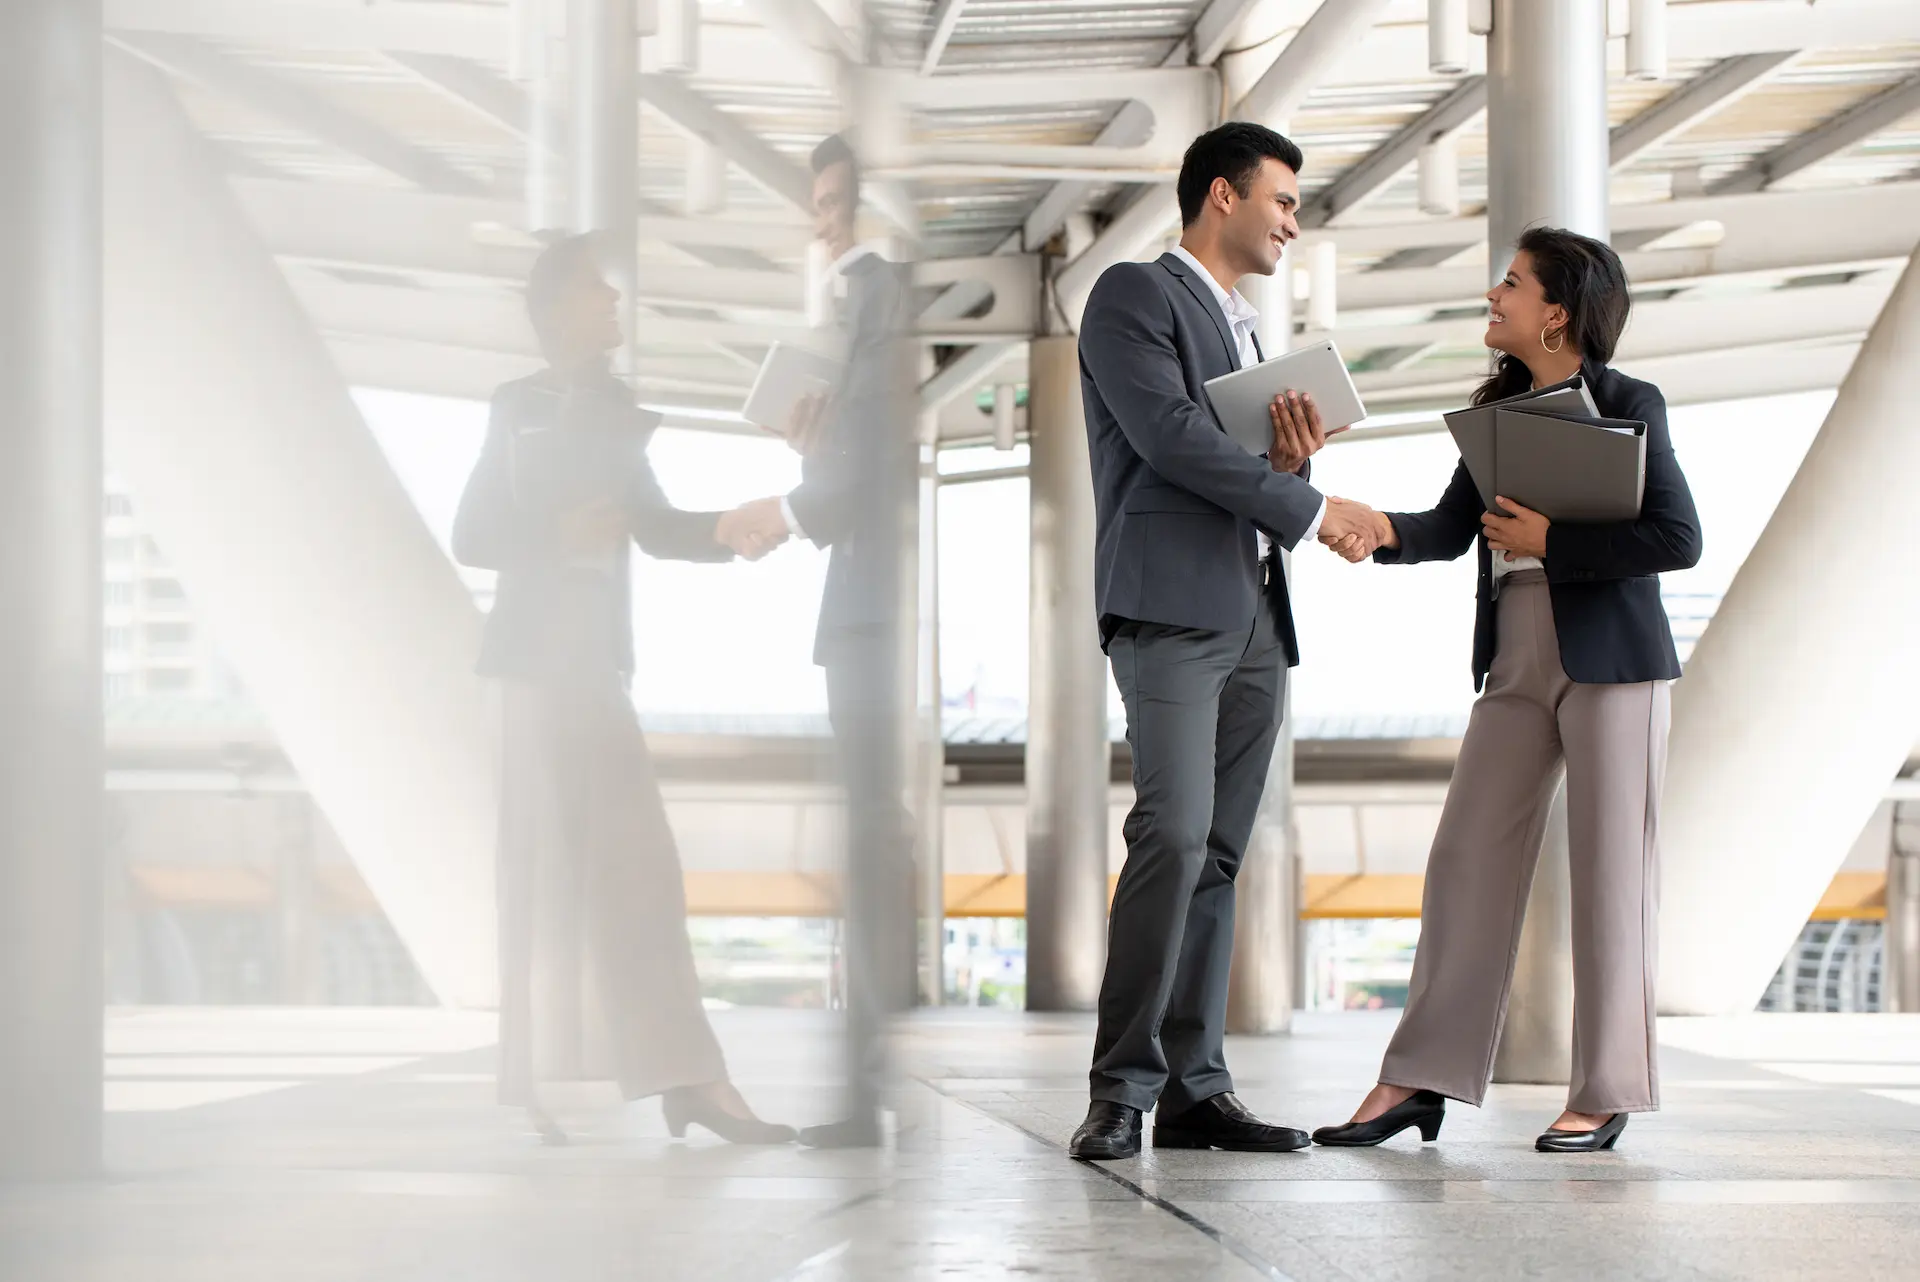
(1552,351)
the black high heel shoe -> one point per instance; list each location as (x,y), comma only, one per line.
(1424,1109)
(685,1106)
(1555,1140)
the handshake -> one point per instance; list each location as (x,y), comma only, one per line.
(753,529)
(1354,530)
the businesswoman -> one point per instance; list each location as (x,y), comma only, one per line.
(596,972)
(1572,654)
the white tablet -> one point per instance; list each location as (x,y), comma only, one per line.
(1241,398)
(788,374)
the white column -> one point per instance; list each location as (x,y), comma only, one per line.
(1800,699)
(1546,163)
(1900,948)
(51,893)
(1069,760)
(603,53)
(295,541)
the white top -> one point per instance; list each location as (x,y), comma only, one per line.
(1241,318)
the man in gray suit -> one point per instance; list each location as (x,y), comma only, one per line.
(1195,619)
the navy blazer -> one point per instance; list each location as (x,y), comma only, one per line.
(552,620)
(1603,577)
(1176,500)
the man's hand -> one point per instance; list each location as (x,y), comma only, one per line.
(806,423)
(597,529)
(1352,529)
(1297,432)
(753,529)
(1522,534)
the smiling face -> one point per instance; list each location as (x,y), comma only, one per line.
(1519,314)
(836,206)
(1255,228)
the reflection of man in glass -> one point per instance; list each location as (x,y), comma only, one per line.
(596,974)
(857,481)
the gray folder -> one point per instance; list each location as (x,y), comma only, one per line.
(1570,467)
(1472,428)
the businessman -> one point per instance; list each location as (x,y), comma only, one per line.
(1195,619)
(858,476)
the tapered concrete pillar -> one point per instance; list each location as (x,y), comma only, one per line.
(1800,699)
(50,511)
(1546,164)
(1069,759)
(297,545)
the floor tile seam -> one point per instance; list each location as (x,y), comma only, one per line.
(1220,1237)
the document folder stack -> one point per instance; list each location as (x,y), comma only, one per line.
(1551,450)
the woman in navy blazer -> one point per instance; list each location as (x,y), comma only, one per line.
(1572,653)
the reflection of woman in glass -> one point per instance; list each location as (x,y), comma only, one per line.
(596,972)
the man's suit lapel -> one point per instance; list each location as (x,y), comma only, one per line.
(1205,298)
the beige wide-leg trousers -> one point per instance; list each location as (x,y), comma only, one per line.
(1613,741)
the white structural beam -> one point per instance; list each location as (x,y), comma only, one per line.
(805,24)
(695,114)
(1712,91)
(1214,30)
(1393,54)
(1461,105)
(1799,700)
(1334,32)
(311,113)
(491,97)
(1850,127)
(964,373)
(946,20)
(1852,213)
(1683,323)
(296,542)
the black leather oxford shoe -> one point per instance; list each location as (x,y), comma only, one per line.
(1223,1122)
(1111,1132)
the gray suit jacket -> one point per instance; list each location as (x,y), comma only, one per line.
(1177,502)
(856,485)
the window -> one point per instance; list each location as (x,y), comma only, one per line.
(117,639)
(118,593)
(169,636)
(119,505)
(119,684)
(168,590)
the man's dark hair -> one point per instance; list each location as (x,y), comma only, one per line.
(833,150)
(1235,152)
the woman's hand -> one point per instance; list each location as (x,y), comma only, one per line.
(1522,534)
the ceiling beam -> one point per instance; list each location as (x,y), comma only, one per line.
(313,114)
(1335,33)
(1215,28)
(486,94)
(1463,104)
(1852,126)
(808,25)
(693,113)
(946,19)
(1711,91)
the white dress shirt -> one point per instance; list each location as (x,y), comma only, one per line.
(1241,318)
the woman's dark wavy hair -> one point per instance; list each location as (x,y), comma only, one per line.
(1584,276)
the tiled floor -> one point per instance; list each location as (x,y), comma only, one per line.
(364,1146)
